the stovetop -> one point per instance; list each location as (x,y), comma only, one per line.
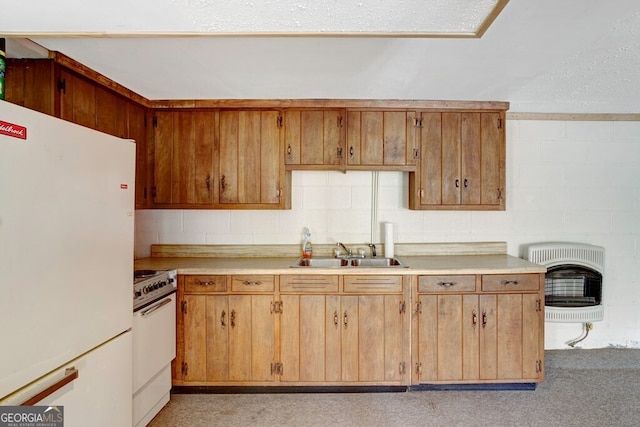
(151,285)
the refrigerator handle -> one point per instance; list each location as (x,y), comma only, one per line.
(70,374)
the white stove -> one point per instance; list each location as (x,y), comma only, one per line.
(154,341)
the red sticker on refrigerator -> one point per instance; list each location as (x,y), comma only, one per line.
(11,129)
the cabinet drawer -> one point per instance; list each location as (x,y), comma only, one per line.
(205,284)
(428,284)
(309,283)
(510,282)
(373,284)
(252,283)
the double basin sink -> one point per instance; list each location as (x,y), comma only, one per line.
(326,262)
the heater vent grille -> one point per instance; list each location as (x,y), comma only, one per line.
(570,254)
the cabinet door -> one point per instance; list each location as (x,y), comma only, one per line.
(378,138)
(194,333)
(511,347)
(77,99)
(137,130)
(251,338)
(314,137)
(111,110)
(461,162)
(30,83)
(184,143)
(448,338)
(372,338)
(249,166)
(162,156)
(310,338)
(487,337)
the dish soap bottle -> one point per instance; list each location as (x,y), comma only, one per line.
(307,248)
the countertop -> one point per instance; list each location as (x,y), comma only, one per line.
(430,264)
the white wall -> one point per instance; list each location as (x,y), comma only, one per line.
(566,181)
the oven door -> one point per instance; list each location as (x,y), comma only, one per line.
(154,339)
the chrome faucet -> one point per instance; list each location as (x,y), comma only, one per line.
(348,251)
(373,250)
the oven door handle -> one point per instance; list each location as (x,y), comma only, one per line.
(155,307)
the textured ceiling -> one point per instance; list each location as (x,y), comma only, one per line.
(256,16)
(572,56)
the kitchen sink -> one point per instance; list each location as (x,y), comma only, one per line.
(326,262)
(321,262)
(377,262)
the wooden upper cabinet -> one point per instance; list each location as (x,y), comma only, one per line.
(31,84)
(110,112)
(77,99)
(380,140)
(251,171)
(184,143)
(136,129)
(462,161)
(314,139)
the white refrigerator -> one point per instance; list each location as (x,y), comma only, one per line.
(66,265)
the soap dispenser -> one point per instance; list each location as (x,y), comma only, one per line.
(307,247)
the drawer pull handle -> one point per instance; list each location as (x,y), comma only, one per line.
(252,282)
(207,283)
(509,282)
(446,284)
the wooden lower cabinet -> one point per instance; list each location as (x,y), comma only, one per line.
(223,338)
(353,336)
(342,339)
(484,336)
(332,330)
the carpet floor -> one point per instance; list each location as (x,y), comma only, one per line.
(581,388)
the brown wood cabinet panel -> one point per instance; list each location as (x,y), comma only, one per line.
(309,283)
(488,337)
(217,338)
(373,284)
(451,152)
(510,282)
(251,169)
(31,84)
(183,158)
(252,283)
(136,130)
(111,113)
(493,159)
(163,157)
(379,138)
(462,161)
(195,338)
(470,144)
(312,144)
(479,337)
(430,173)
(430,284)
(205,284)
(350,342)
(313,138)
(205,157)
(77,99)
